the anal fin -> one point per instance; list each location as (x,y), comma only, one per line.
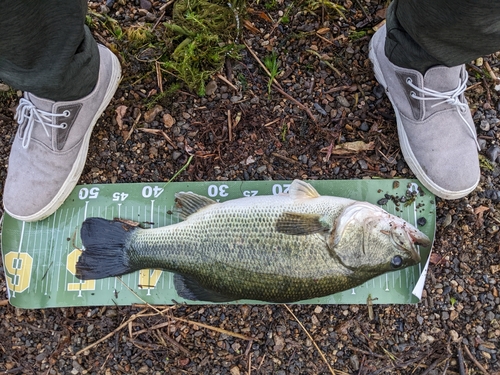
(190,289)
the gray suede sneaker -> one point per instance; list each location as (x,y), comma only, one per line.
(436,132)
(51,144)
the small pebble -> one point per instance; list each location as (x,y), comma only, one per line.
(343,101)
(320,109)
(492,152)
(364,127)
(145,4)
(210,87)
(484,125)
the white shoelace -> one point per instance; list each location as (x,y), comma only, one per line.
(451,97)
(27,111)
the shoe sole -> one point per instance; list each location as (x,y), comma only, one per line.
(75,173)
(408,155)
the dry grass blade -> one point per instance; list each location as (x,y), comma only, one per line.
(476,362)
(332,371)
(160,132)
(216,329)
(229,125)
(226,81)
(491,72)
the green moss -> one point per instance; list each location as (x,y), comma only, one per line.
(485,164)
(312,6)
(158,98)
(354,35)
(139,35)
(204,34)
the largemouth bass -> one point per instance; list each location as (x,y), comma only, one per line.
(281,248)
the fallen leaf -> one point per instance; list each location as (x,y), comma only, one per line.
(495,268)
(250,27)
(481,209)
(323,30)
(120,112)
(265,17)
(435,258)
(152,113)
(353,147)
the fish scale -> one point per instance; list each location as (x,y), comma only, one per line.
(282,248)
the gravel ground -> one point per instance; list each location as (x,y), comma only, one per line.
(239,131)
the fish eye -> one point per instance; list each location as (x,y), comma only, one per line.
(396,262)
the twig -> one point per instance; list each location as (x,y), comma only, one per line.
(310,338)
(446,366)
(132,127)
(158,131)
(371,354)
(262,361)
(476,362)
(278,87)
(271,122)
(168,3)
(325,62)
(159,76)
(299,104)
(461,364)
(367,15)
(261,64)
(434,365)
(283,157)
(124,324)
(225,80)
(229,125)
(216,329)
(490,71)
(135,294)
(249,364)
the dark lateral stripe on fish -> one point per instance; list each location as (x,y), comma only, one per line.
(105,243)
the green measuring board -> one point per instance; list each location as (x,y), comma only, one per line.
(39,258)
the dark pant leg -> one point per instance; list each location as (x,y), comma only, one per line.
(425,33)
(45,48)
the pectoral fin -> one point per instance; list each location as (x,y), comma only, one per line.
(189,288)
(301,224)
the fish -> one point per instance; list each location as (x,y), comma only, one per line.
(273,248)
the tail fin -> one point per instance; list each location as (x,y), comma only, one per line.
(106,243)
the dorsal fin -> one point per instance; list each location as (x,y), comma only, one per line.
(301,189)
(188,203)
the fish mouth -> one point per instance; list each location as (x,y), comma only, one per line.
(419,238)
